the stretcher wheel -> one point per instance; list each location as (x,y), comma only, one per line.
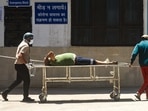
(114,95)
(42,98)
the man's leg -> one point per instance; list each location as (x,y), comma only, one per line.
(146,91)
(107,61)
(26,80)
(145,83)
(13,85)
(26,84)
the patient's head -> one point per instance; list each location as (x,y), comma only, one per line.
(51,55)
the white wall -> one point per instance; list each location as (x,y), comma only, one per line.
(2,4)
(45,35)
(1,33)
(53,35)
(145,16)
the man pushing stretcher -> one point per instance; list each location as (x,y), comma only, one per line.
(72,59)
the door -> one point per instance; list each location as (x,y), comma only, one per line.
(17,21)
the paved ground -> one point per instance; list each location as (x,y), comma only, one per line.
(75,99)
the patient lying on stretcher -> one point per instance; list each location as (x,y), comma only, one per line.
(72,59)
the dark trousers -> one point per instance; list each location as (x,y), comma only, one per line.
(22,75)
(84,61)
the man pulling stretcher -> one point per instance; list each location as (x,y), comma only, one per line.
(72,59)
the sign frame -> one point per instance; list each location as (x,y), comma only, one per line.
(16,3)
(51,12)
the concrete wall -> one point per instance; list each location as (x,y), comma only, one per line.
(130,77)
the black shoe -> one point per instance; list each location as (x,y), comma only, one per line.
(28,99)
(4,96)
(138,97)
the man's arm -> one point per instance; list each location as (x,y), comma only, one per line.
(134,55)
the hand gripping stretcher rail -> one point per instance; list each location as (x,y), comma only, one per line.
(114,77)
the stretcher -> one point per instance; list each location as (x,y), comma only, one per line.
(114,77)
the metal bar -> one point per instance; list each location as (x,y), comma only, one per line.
(69,73)
(10,57)
(7,57)
(44,82)
(118,68)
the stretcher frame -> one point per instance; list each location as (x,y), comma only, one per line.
(114,78)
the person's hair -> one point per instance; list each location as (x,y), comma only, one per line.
(50,53)
(143,38)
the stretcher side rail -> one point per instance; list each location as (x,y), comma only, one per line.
(92,74)
(114,78)
(76,79)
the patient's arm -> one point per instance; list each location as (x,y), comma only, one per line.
(46,61)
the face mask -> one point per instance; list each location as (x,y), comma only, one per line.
(31,42)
